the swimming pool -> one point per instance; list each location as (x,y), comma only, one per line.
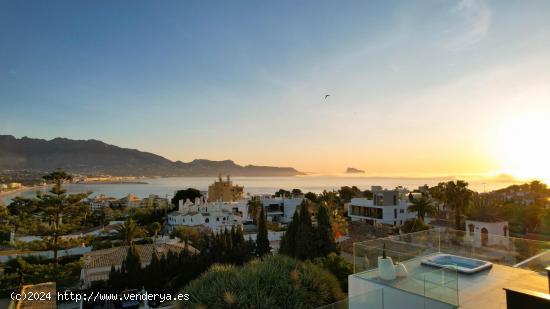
(462,264)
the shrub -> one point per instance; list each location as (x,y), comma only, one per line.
(272,282)
(414,225)
(338,266)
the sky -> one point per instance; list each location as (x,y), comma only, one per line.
(416,87)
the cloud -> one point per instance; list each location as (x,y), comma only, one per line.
(475,18)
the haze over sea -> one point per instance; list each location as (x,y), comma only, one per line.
(267,185)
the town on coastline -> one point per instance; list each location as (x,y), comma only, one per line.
(81,243)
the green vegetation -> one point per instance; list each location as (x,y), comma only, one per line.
(525,207)
(32,270)
(262,241)
(188,193)
(254,205)
(273,282)
(168,273)
(338,266)
(414,225)
(455,195)
(282,193)
(304,241)
(423,206)
(129,231)
(189,234)
(326,241)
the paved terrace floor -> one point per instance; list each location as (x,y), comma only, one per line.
(481,290)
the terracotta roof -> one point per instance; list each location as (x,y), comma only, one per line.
(115,256)
(486,218)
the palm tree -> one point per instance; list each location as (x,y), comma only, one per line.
(423,206)
(155,228)
(457,196)
(254,205)
(128,231)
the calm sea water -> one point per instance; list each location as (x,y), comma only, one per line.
(261,185)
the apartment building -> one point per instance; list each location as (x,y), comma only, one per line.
(387,207)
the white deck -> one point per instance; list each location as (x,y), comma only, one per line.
(480,290)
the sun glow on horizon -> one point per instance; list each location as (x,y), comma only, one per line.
(522,148)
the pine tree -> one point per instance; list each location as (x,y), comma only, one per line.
(262,240)
(326,243)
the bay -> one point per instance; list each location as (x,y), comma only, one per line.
(165,187)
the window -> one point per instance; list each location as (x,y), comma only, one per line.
(471,228)
(207,220)
(217,218)
(395,213)
(401,211)
(366,212)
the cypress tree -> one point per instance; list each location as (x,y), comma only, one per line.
(153,284)
(262,241)
(132,268)
(326,243)
(300,240)
(307,238)
(288,241)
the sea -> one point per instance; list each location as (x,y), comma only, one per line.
(165,187)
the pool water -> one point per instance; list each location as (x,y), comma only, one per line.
(450,260)
(461,264)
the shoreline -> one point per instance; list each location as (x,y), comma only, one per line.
(16,192)
(112,183)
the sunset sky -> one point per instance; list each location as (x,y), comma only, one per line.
(417,87)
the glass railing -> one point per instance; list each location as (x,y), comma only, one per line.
(509,251)
(371,300)
(442,284)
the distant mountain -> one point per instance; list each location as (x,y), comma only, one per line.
(352,170)
(96,157)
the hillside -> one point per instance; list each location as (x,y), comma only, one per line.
(96,157)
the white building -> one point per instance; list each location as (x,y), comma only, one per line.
(101,201)
(280,209)
(388,207)
(487,231)
(215,216)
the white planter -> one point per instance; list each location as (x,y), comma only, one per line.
(401,270)
(386,270)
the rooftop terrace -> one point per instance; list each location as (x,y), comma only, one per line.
(517,264)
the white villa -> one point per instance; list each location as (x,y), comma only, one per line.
(217,216)
(280,209)
(487,230)
(387,207)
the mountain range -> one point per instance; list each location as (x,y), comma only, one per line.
(93,157)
